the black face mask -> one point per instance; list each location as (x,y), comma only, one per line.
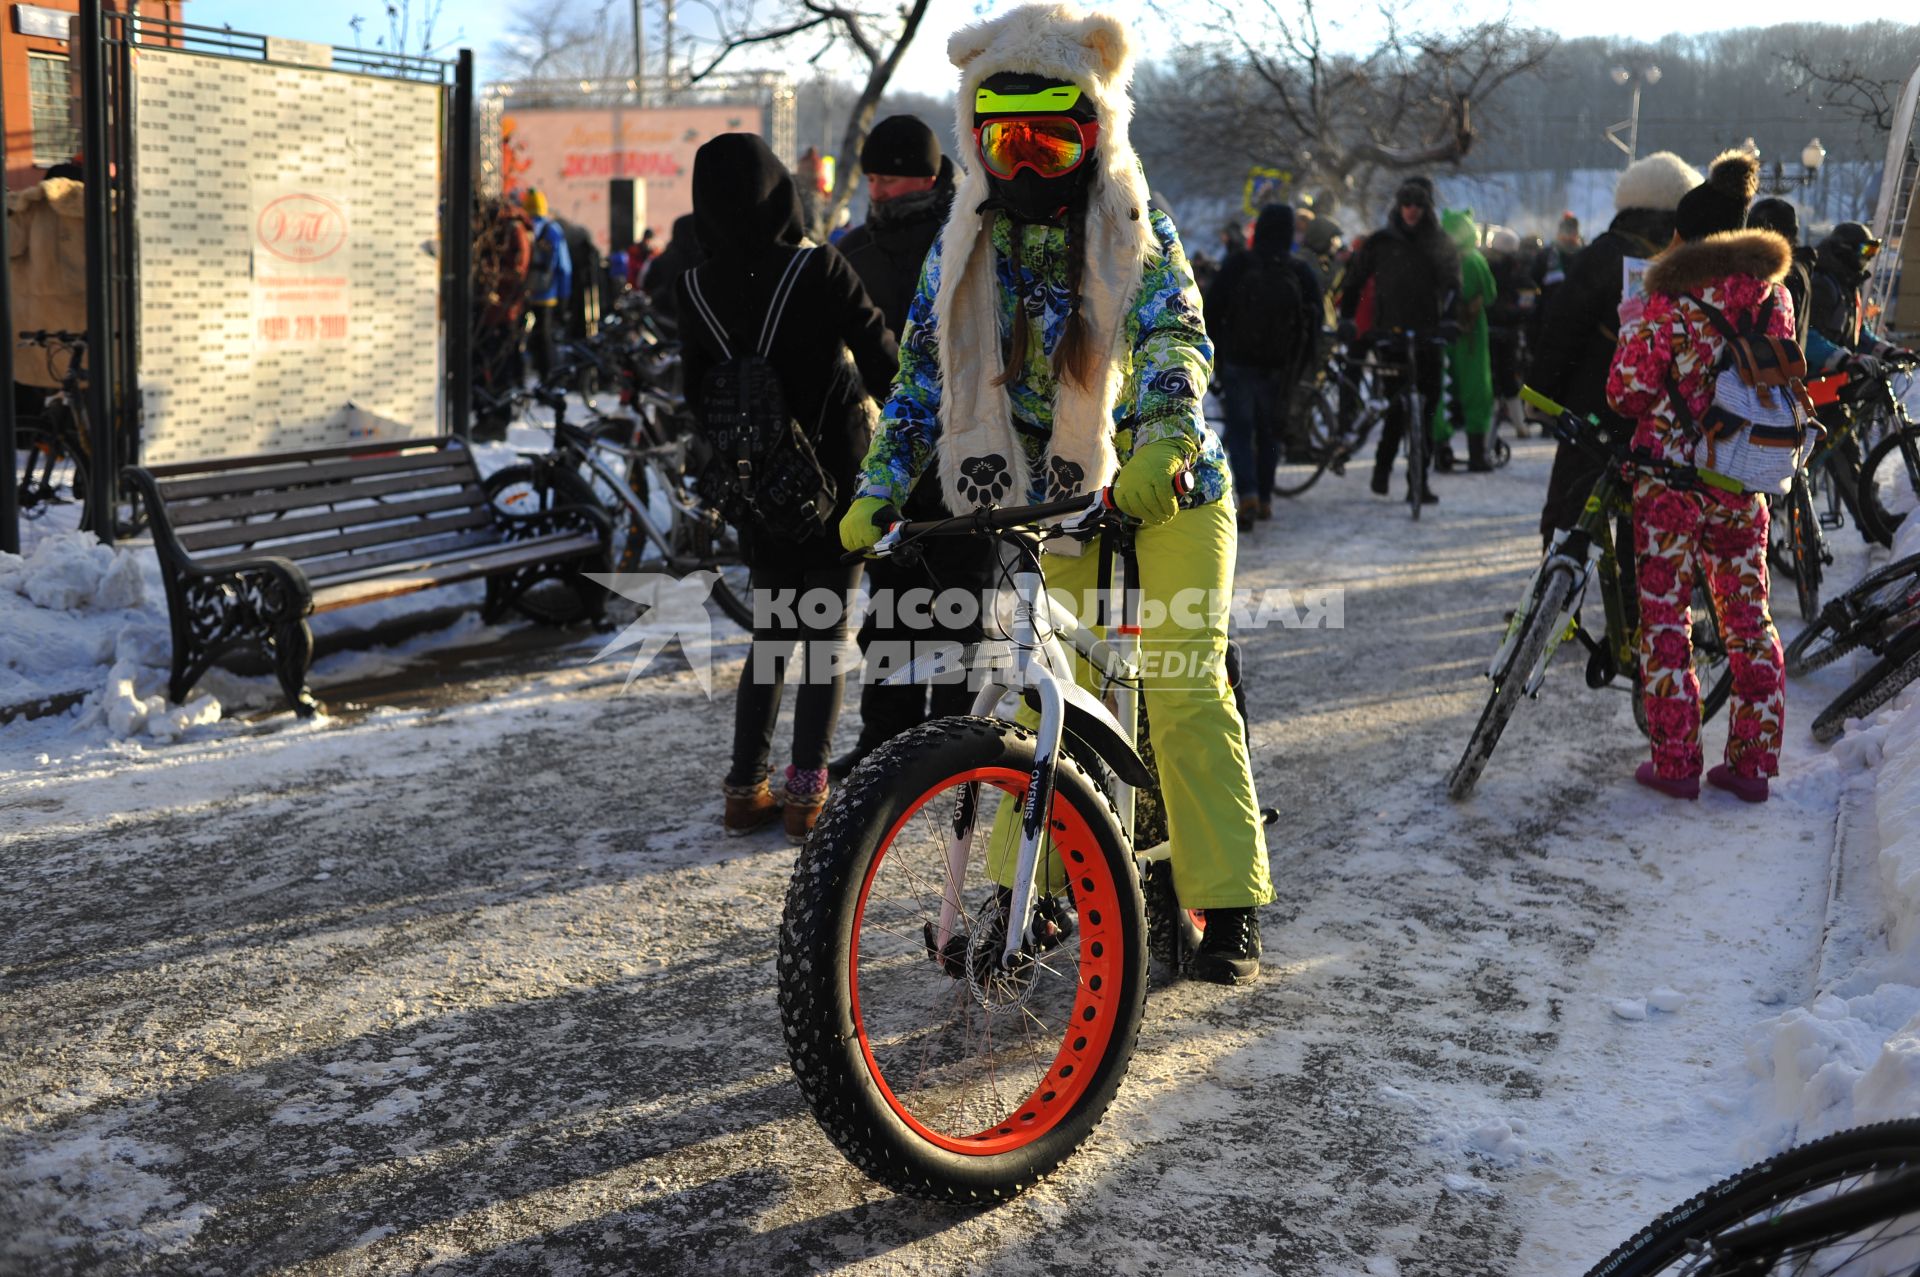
(1028,197)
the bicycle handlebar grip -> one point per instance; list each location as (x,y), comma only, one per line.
(1540,401)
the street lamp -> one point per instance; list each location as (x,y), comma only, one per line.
(1639,78)
(1812,156)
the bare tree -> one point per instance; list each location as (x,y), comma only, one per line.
(1844,85)
(876,36)
(589,40)
(1277,86)
(410,30)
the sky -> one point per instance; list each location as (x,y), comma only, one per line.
(482,24)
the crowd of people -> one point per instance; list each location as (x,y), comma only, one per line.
(1027,326)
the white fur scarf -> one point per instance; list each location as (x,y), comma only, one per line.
(981,461)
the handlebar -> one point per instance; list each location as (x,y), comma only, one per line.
(53,336)
(1096,510)
(1591,436)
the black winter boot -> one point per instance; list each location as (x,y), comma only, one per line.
(1229,950)
(1443,458)
(1477,454)
(1382,473)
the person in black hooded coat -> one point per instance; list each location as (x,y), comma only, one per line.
(834,358)
(909,192)
(1263,314)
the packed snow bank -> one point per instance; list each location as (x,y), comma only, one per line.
(1853,1055)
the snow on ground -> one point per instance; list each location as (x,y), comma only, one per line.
(1852,1054)
(82,618)
(471,986)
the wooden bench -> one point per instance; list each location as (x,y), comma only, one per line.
(250,547)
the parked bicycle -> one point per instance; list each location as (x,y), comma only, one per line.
(54,451)
(640,474)
(1352,396)
(1881,615)
(957,1031)
(1866,416)
(1549,612)
(1890,472)
(1847,1204)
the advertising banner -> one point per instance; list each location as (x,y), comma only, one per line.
(288,221)
(571,154)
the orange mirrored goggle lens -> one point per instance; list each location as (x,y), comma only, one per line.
(1870,250)
(1050,146)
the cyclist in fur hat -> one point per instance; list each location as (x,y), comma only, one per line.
(1055,345)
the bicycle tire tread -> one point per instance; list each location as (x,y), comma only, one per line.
(1673,1228)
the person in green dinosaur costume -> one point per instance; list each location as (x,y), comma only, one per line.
(1469,357)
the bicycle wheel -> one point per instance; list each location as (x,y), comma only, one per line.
(1803,541)
(1900,666)
(1544,619)
(528,489)
(1745,1224)
(935,1071)
(1877,605)
(45,471)
(1890,483)
(1299,470)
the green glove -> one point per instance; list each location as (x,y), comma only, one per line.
(1144,487)
(858,530)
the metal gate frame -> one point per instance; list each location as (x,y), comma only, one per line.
(104,45)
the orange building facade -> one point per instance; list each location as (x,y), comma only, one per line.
(41,85)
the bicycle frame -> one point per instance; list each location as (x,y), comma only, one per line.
(1040,636)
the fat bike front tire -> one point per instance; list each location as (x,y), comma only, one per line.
(934,1069)
(1546,617)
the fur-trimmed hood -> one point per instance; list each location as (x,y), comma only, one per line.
(1095,52)
(1689,267)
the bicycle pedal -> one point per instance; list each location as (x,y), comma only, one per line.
(1832,522)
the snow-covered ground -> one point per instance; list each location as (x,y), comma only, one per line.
(468,983)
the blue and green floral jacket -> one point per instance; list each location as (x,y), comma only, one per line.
(1170,366)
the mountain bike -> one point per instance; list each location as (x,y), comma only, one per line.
(1346,401)
(54,451)
(1352,397)
(632,468)
(1549,611)
(960,1033)
(1890,474)
(1880,614)
(1846,1204)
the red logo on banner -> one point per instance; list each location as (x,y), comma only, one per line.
(302,228)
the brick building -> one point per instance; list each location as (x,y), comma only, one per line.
(41,93)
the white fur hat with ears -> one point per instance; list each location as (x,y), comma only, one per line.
(1655,181)
(1095,52)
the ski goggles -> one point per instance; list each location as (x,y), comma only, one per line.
(1050,145)
(1870,250)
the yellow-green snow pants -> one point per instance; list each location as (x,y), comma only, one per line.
(1213,822)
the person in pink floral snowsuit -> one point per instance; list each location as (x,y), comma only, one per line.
(1666,341)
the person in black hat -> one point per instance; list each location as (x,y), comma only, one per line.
(909,190)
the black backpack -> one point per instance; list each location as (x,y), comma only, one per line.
(761,472)
(1265,314)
